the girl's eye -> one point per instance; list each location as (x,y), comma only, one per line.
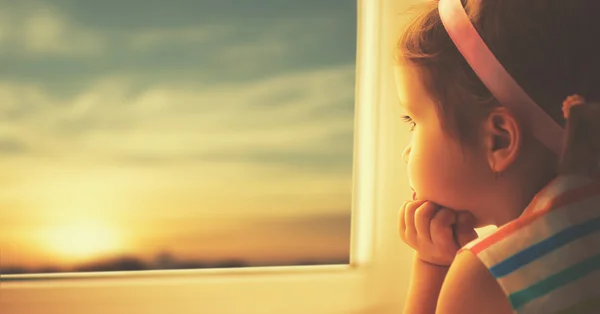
(410,122)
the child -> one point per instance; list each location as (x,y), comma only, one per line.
(489,85)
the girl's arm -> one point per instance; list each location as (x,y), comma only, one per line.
(436,234)
(425,285)
(470,288)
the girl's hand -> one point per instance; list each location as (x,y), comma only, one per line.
(436,233)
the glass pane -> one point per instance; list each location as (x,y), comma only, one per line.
(151,134)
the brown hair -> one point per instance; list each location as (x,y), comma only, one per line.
(548,46)
(582,145)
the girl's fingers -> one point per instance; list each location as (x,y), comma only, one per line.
(409,219)
(464,230)
(423,217)
(401,221)
(441,228)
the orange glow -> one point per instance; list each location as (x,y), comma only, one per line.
(83,239)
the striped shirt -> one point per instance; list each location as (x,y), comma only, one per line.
(548,259)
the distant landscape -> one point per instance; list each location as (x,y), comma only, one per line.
(162,261)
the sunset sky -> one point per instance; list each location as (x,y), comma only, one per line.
(208,128)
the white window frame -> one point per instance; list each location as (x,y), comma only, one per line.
(374,282)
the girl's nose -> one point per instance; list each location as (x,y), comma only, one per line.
(406,153)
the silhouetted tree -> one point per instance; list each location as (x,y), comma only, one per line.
(14,270)
(124,263)
(230,264)
(49,269)
(165,260)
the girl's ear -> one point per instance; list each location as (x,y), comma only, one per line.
(503,138)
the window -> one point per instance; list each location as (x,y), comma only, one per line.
(176,135)
(374,282)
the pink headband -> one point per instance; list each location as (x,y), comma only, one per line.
(495,77)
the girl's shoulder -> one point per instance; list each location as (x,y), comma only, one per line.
(470,288)
(557,235)
(567,200)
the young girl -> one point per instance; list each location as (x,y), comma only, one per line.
(499,92)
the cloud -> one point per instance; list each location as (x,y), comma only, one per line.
(4,25)
(41,28)
(152,38)
(46,31)
(22,100)
(252,57)
(241,94)
(302,119)
(12,146)
(327,155)
(70,45)
(317,233)
(330,222)
(236,118)
(36,27)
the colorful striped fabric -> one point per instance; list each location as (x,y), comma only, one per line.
(548,259)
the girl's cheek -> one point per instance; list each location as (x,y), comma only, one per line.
(422,168)
(414,174)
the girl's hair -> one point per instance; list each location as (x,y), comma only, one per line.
(582,140)
(549,47)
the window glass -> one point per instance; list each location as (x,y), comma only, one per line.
(151,134)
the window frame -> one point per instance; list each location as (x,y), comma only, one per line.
(377,277)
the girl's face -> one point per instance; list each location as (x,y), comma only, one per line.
(439,168)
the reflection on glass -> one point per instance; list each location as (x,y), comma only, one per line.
(175,134)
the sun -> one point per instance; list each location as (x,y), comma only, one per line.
(84,239)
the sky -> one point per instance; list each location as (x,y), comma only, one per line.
(210,129)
